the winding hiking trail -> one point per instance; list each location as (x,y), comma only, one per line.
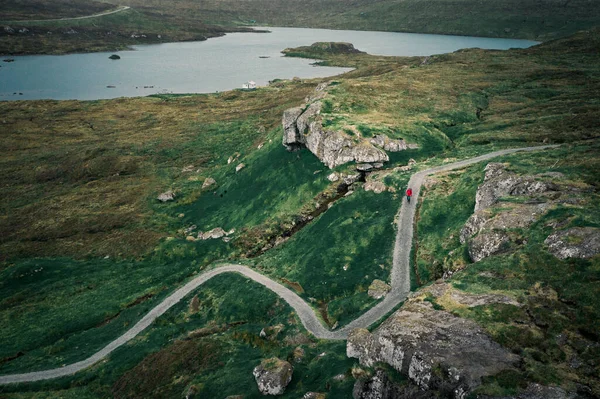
(100,14)
(400,282)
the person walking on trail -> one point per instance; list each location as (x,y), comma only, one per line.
(408,194)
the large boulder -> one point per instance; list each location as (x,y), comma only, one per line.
(435,349)
(273,375)
(576,242)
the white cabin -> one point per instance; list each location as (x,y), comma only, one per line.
(249,85)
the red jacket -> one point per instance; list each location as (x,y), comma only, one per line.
(409,192)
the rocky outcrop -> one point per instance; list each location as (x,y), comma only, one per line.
(486,244)
(166,196)
(240,167)
(435,349)
(378,289)
(214,234)
(486,230)
(576,242)
(391,145)
(303,127)
(273,375)
(500,183)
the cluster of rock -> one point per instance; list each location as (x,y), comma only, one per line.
(303,127)
(215,233)
(273,375)
(438,351)
(486,230)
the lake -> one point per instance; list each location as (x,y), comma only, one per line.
(217,64)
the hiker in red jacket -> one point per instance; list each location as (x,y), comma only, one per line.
(408,194)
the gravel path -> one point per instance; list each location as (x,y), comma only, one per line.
(400,279)
(101,14)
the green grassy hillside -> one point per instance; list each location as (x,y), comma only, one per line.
(86,249)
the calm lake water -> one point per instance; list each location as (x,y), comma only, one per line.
(217,64)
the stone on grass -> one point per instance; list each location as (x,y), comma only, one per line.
(209,181)
(273,375)
(378,289)
(333,177)
(376,186)
(166,196)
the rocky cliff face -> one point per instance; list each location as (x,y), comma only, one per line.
(438,351)
(303,127)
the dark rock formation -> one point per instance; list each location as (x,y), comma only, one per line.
(114,57)
(438,351)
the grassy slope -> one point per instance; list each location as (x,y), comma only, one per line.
(530,19)
(433,104)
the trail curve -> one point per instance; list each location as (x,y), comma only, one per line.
(400,282)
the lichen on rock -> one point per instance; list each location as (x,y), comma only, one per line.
(273,375)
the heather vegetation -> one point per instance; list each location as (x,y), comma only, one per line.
(87,249)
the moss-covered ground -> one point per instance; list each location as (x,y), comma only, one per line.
(86,248)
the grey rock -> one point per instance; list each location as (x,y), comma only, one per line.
(473,226)
(272,376)
(376,186)
(416,340)
(303,122)
(240,167)
(212,234)
(351,179)
(166,196)
(333,177)
(518,216)
(391,145)
(487,243)
(209,181)
(576,242)
(364,167)
(378,289)
(292,140)
(499,183)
